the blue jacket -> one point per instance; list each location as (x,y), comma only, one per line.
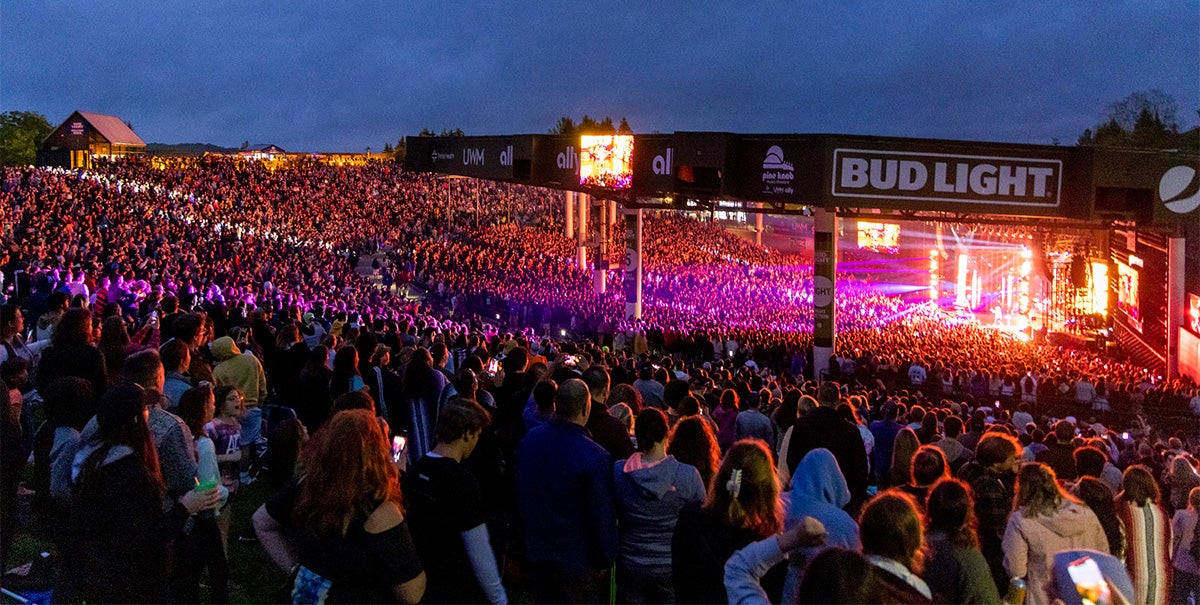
(819,491)
(649,499)
(565,496)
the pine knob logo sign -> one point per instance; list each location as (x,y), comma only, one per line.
(1174,183)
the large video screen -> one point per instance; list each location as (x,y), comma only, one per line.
(606,161)
(1127,294)
(879,237)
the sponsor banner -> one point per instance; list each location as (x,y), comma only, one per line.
(481,157)
(653,164)
(632,265)
(1177,194)
(555,162)
(949,179)
(778,169)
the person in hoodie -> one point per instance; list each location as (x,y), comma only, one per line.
(818,491)
(651,488)
(246,373)
(1047,521)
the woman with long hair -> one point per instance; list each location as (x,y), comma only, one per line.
(905,448)
(1099,497)
(340,526)
(71,353)
(1147,535)
(955,568)
(203,547)
(346,377)
(421,392)
(1047,521)
(314,402)
(1185,547)
(1181,479)
(693,442)
(119,528)
(928,465)
(742,507)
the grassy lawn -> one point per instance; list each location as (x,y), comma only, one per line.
(255,578)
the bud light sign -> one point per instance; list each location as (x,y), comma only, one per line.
(936,177)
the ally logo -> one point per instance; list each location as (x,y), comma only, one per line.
(1172,184)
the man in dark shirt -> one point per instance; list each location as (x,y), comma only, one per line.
(606,429)
(825,427)
(992,477)
(564,486)
(1060,455)
(444,501)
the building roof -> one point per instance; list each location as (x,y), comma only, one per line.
(112,128)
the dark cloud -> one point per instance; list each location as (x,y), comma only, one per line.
(341,76)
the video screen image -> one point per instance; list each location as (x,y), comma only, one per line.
(879,237)
(606,161)
(1127,294)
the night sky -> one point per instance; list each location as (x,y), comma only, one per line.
(341,76)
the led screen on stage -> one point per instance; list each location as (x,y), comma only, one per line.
(1127,295)
(879,237)
(606,161)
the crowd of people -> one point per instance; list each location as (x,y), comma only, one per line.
(176,329)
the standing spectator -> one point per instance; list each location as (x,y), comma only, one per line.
(751,423)
(1147,535)
(245,372)
(885,431)
(423,387)
(565,495)
(1046,521)
(175,358)
(694,443)
(928,467)
(818,491)
(1181,480)
(606,430)
(314,405)
(651,390)
(1060,454)
(893,540)
(445,503)
(1098,497)
(651,487)
(992,476)
(955,568)
(742,507)
(71,353)
(120,528)
(824,427)
(340,528)
(725,415)
(1185,547)
(13,459)
(202,547)
(905,448)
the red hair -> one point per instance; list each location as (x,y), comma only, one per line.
(348,474)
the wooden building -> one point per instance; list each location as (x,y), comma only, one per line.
(84,136)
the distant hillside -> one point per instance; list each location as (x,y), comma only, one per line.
(186,149)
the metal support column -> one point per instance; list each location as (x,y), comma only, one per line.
(569,199)
(581,228)
(824,277)
(1176,302)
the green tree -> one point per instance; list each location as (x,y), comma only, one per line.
(21,133)
(401,150)
(387,148)
(624,128)
(1147,119)
(565,127)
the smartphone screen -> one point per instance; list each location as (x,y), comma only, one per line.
(1093,588)
(398,443)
